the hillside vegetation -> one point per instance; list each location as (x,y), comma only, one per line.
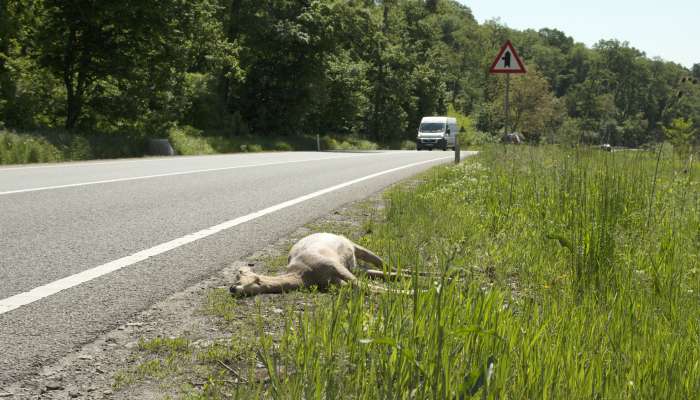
(281,68)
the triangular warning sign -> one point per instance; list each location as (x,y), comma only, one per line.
(508,61)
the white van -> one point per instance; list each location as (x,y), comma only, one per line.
(437,133)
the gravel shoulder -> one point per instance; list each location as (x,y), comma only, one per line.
(123,363)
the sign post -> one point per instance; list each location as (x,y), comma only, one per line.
(507,104)
(507,62)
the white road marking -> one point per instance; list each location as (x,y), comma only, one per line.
(194,171)
(22,299)
(90,163)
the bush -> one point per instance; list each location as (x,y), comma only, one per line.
(79,149)
(251,148)
(350,143)
(408,145)
(469,135)
(24,148)
(282,146)
(187,140)
(116,145)
(362,144)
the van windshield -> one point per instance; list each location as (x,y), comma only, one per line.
(431,127)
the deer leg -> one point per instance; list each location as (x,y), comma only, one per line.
(367,256)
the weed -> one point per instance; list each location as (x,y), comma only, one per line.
(221,304)
(161,345)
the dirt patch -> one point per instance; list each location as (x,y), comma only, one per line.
(179,345)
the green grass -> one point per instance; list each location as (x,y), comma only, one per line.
(190,141)
(562,274)
(161,345)
(57,145)
(469,136)
(221,304)
(158,359)
(22,149)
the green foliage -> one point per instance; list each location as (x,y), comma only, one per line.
(681,134)
(162,345)
(283,68)
(350,143)
(570,132)
(251,148)
(189,141)
(221,303)
(58,145)
(407,145)
(22,149)
(468,134)
(282,146)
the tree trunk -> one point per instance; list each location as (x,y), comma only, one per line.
(72,101)
(379,93)
(232,33)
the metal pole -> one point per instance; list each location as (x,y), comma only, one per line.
(507,105)
(318,142)
(457,151)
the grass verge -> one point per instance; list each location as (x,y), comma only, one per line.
(560,274)
(56,145)
(190,141)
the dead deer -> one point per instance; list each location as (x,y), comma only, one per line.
(321,260)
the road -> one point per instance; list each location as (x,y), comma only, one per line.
(84,246)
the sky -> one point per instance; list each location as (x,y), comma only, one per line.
(669,29)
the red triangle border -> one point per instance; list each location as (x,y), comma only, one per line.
(507,45)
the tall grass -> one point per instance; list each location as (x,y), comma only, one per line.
(553,281)
(16,149)
(57,145)
(188,141)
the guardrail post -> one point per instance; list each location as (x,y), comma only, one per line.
(457,152)
(318,142)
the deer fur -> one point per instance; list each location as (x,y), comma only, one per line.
(320,259)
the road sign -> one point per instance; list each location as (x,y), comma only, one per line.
(507,61)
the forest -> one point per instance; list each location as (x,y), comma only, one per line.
(133,69)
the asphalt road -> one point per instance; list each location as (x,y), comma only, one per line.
(84,246)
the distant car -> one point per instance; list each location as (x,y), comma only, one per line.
(437,133)
(606,147)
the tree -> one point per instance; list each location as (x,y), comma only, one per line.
(76,41)
(283,47)
(28,92)
(533,107)
(680,133)
(346,67)
(106,50)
